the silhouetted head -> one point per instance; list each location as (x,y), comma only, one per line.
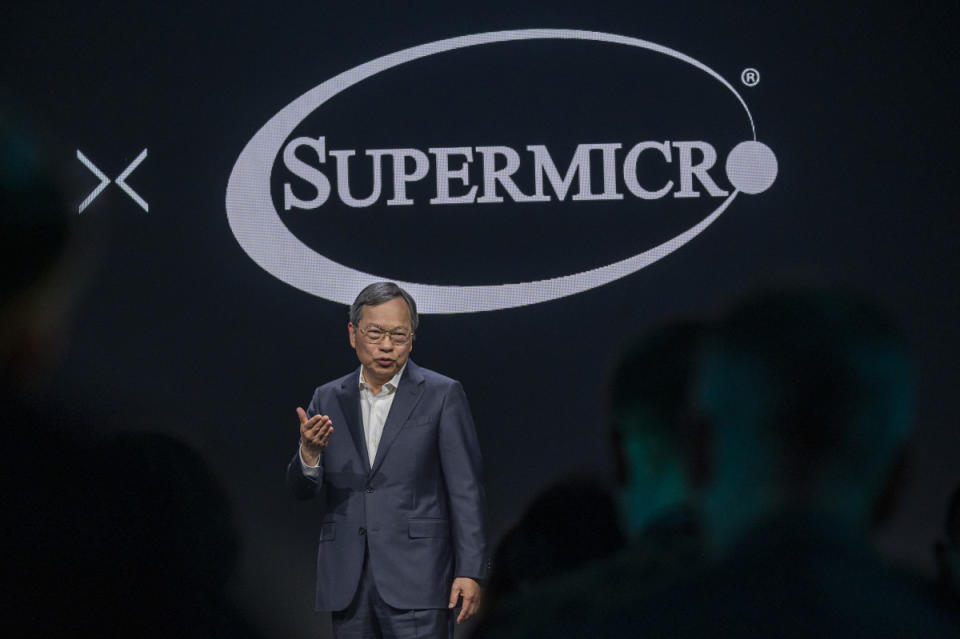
(154,529)
(571,522)
(809,398)
(649,408)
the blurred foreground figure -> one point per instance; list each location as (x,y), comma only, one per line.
(122,535)
(808,400)
(655,474)
(35,234)
(35,240)
(658,463)
(572,522)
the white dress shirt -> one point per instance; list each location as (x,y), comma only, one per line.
(374,410)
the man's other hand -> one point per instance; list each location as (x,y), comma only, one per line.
(314,435)
(470,590)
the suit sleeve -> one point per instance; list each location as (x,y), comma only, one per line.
(302,485)
(462,470)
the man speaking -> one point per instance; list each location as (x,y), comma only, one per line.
(391,453)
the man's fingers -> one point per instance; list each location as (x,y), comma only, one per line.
(325,437)
(311,422)
(321,428)
(314,424)
(316,430)
(454,597)
(464,614)
(318,434)
(470,606)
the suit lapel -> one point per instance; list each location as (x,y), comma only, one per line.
(349,398)
(408,394)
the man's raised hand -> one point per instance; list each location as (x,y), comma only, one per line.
(314,435)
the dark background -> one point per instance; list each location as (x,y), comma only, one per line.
(177,329)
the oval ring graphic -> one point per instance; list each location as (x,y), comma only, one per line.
(267,241)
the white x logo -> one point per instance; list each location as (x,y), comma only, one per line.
(121,181)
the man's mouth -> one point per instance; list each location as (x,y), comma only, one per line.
(385,362)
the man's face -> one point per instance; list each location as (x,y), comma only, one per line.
(381,361)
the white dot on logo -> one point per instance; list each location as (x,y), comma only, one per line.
(751,167)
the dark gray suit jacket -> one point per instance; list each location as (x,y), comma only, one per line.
(419,507)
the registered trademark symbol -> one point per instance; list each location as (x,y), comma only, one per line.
(750,77)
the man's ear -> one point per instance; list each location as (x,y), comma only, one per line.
(352,335)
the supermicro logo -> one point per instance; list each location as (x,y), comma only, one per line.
(318,172)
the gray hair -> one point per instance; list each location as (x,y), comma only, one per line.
(378,293)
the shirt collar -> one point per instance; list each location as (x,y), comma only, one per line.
(391,386)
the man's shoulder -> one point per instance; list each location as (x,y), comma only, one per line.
(417,373)
(338,383)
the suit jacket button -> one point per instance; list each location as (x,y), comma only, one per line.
(369,489)
(363,531)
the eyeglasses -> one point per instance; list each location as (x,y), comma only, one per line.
(374,335)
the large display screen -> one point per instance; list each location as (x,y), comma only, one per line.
(546,180)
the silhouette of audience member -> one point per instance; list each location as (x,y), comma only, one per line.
(947,554)
(35,234)
(808,400)
(154,541)
(124,535)
(656,460)
(656,493)
(572,522)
